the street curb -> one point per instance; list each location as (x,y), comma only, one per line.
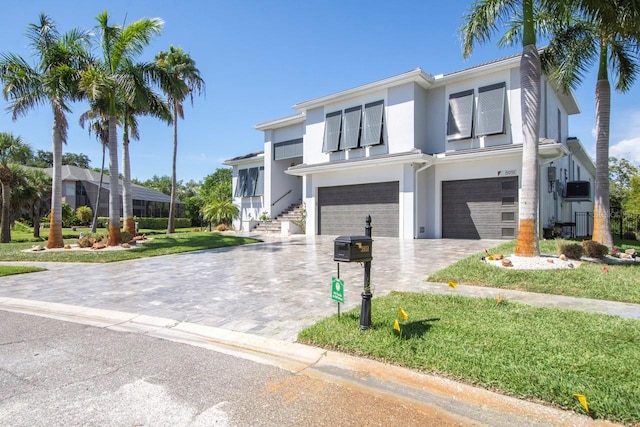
(464,403)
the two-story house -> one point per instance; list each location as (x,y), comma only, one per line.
(427,156)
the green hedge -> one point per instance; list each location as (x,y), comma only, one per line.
(152,223)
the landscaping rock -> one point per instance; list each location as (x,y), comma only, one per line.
(506,262)
(67,246)
(562,257)
(37,248)
(125,245)
(98,245)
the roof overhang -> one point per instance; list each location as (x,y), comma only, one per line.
(417,75)
(414,156)
(548,151)
(577,149)
(281,122)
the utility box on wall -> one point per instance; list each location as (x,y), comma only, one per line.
(578,191)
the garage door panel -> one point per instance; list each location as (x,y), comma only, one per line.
(343,209)
(480,209)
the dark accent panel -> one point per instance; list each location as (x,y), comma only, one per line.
(474,209)
(342,210)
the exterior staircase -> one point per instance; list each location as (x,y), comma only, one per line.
(294,212)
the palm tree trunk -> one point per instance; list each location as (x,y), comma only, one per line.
(55,221)
(127,199)
(94,226)
(36,226)
(5,234)
(171,227)
(601,208)
(530,73)
(115,237)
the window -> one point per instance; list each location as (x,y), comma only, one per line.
(260,182)
(351,137)
(243,174)
(287,149)
(491,109)
(333,126)
(460,119)
(559,125)
(252,179)
(373,123)
(577,173)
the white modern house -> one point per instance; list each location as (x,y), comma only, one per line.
(427,156)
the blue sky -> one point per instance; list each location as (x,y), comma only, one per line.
(259,58)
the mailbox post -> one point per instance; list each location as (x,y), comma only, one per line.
(358,249)
(365,310)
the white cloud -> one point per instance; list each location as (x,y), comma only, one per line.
(627,149)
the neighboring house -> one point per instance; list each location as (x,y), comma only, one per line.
(80,188)
(426,156)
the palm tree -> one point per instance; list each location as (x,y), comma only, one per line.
(144,102)
(608,34)
(107,85)
(178,79)
(220,210)
(12,149)
(52,80)
(484,18)
(100,126)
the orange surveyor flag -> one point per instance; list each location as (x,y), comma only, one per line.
(583,401)
(453,285)
(396,325)
(498,299)
(403,314)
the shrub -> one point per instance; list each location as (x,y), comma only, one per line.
(221,227)
(84,214)
(629,235)
(570,250)
(594,249)
(151,223)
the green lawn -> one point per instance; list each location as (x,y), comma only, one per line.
(8,270)
(529,352)
(620,283)
(160,244)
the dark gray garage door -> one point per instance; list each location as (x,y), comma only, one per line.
(480,208)
(343,209)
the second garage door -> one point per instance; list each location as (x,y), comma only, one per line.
(342,210)
(480,208)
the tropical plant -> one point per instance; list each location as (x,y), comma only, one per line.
(52,80)
(606,33)
(108,85)
(220,211)
(179,78)
(84,214)
(621,172)
(484,18)
(30,195)
(12,149)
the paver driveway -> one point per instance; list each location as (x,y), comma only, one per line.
(274,288)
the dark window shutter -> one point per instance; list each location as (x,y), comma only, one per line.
(460,119)
(242,183)
(351,132)
(373,119)
(251,182)
(491,109)
(333,124)
(260,182)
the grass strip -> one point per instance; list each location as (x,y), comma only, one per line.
(618,283)
(529,352)
(8,270)
(158,245)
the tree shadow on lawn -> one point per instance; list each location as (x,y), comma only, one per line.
(417,328)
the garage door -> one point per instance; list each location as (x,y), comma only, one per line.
(343,210)
(480,208)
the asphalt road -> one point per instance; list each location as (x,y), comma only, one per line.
(57,373)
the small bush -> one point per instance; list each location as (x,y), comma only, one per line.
(571,250)
(84,214)
(221,227)
(629,235)
(594,249)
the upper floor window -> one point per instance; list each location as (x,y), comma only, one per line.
(460,119)
(250,182)
(352,128)
(489,112)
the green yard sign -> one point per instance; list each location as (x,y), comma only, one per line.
(337,289)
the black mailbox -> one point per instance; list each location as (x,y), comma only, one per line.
(352,248)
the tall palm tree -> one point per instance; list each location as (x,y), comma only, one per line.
(144,102)
(606,33)
(484,18)
(100,127)
(179,78)
(12,150)
(52,80)
(107,85)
